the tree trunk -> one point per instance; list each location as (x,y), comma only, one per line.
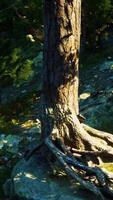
(62,21)
(61,58)
(74,145)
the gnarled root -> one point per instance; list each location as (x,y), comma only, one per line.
(100,134)
(71,165)
(82,163)
(95,143)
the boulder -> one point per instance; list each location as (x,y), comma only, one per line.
(35,180)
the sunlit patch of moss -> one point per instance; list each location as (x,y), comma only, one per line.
(29,124)
(15,122)
(107,166)
(15,55)
(25,71)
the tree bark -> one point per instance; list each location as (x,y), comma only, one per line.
(61,59)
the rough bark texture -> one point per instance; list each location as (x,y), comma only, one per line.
(61,57)
(60,78)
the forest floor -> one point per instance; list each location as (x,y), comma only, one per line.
(20,109)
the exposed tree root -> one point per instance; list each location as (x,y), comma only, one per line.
(92,140)
(100,134)
(70,164)
(84,152)
(97,145)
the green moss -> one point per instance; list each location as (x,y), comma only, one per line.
(15,55)
(25,71)
(107,167)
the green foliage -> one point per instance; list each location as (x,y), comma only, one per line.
(19,21)
(21,12)
(15,68)
(25,71)
(100,13)
(96,16)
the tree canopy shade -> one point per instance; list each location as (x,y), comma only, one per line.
(77,147)
(96,17)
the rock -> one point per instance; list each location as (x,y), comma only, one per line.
(10,143)
(107,65)
(111,78)
(7,188)
(33,180)
(98,106)
(98,112)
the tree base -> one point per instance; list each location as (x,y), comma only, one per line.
(83,164)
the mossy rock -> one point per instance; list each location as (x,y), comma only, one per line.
(33,179)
